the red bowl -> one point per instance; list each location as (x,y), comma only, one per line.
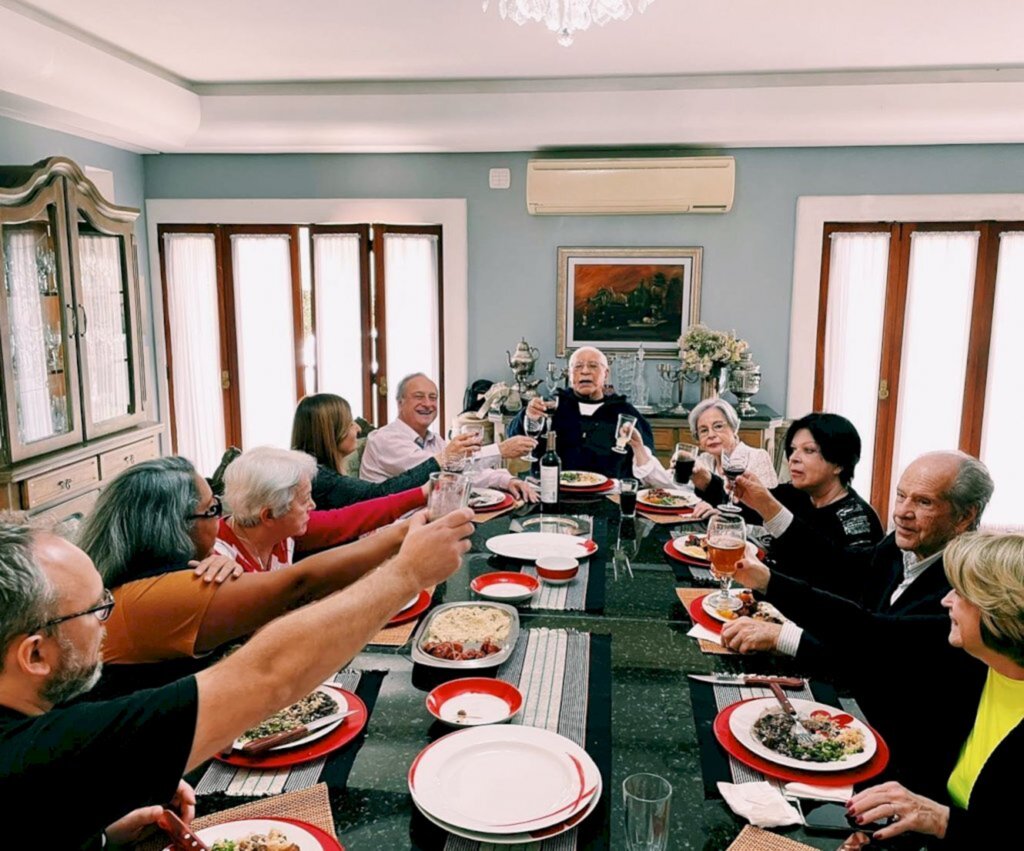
(557,569)
(464,688)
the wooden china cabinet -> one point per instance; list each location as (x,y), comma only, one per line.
(73,398)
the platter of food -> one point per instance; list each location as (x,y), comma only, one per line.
(466,635)
(530,546)
(505,585)
(666,499)
(840,742)
(317,744)
(581,479)
(749,608)
(266,834)
(488,499)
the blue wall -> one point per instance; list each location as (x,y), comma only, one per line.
(748,253)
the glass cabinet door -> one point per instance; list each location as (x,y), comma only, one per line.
(103,254)
(37,326)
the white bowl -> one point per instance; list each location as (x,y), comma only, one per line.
(557,570)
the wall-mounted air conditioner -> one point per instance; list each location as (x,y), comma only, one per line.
(617,186)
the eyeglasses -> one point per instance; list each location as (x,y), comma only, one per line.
(102,611)
(216,509)
(720,426)
(590,366)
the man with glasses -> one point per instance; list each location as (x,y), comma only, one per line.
(92,762)
(585,417)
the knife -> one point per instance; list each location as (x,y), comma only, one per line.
(181,834)
(258,746)
(742,680)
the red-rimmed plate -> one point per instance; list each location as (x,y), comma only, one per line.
(679,512)
(675,555)
(505,586)
(589,480)
(700,616)
(684,500)
(732,746)
(414,611)
(473,701)
(507,502)
(339,737)
(607,486)
(330,843)
(486,500)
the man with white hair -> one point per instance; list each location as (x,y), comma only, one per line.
(586,416)
(407,441)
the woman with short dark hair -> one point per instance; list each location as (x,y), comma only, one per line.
(818,505)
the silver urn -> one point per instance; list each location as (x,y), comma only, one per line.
(744,382)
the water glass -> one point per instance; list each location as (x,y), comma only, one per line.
(623,432)
(448,492)
(646,799)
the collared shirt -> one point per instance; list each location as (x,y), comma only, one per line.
(912,568)
(397,447)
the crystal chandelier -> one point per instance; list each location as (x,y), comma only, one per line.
(565,17)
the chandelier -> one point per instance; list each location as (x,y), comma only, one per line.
(566,17)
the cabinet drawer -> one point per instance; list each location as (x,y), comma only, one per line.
(117,460)
(753,437)
(74,510)
(664,438)
(60,482)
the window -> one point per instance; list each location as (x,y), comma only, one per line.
(257,316)
(911,349)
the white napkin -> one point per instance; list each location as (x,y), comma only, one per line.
(759,803)
(699,631)
(820,793)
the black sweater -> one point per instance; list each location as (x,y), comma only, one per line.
(331,489)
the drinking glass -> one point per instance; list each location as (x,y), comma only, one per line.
(534,429)
(623,432)
(646,800)
(683,460)
(727,543)
(448,492)
(733,466)
(627,496)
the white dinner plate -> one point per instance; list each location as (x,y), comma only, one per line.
(680,545)
(503,780)
(583,478)
(680,498)
(243,828)
(334,692)
(486,497)
(741,723)
(517,838)
(530,546)
(718,616)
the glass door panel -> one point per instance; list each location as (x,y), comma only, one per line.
(38,329)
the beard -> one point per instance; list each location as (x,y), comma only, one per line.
(75,677)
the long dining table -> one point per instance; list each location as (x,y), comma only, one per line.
(640,713)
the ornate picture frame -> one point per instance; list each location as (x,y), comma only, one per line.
(619,298)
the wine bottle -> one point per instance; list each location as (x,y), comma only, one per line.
(550,474)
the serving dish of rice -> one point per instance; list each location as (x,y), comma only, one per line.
(466,635)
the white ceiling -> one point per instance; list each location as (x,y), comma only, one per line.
(394,75)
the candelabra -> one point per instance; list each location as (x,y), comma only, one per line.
(556,373)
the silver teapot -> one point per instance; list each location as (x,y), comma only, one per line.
(522,363)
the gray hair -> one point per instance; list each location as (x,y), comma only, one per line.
(971,489)
(400,392)
(142,520)
(727,410)
(27,597)
(600,355)
(265,477)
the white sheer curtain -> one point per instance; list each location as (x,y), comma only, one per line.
(266,337)
(936,333)
(106,344)
(191,266)
(339,353)
(411,309)
(1000,436)
(858,267)
(36,414)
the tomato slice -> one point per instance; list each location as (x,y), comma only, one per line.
(821,714)
(842,719)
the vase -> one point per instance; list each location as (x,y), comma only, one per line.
(711,385)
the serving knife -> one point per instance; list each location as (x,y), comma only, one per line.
(181,834)
(743,680)
(261,745)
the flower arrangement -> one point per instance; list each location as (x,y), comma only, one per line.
(704,352)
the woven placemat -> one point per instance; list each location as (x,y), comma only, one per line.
(396,636)
(483,518)
(755,839)
(687,596)
(310,805)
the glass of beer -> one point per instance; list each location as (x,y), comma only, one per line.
(726,543)
(623,432)
(683,460)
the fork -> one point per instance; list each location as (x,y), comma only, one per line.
(802,735)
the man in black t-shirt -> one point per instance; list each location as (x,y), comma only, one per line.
(89,764)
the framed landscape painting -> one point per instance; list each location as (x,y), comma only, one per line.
(619,298)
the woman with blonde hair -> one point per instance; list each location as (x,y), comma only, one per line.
(986,611)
